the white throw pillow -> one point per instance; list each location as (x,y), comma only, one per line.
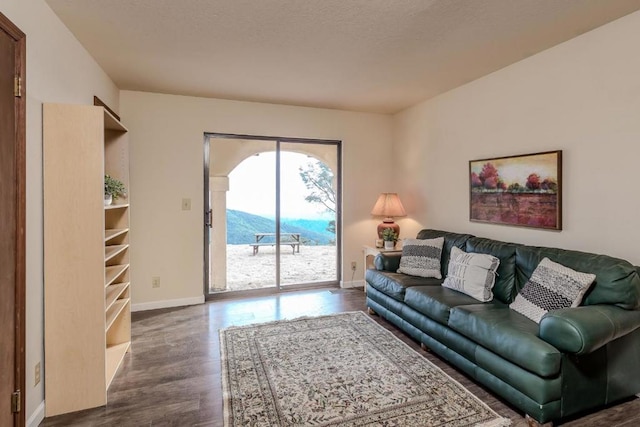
(421,257)
(552,286)
(472,274)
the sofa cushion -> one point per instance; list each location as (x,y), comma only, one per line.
(552,286)
(617,281)
(421,257)
(450,240)
(436,302)
(508,334)
(472,274)
(395,284)
(505,287)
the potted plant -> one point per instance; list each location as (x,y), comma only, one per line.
(113,188)
(389,236)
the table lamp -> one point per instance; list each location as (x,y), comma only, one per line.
(388,205)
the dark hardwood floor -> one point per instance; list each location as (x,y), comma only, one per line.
(172,376)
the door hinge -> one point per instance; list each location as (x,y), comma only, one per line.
(17,87)
(16,401)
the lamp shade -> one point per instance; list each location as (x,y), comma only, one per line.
(388,205)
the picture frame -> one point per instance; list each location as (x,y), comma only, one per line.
(523,190)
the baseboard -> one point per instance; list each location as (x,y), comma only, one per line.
(352,284)
(154,305)
(37,417)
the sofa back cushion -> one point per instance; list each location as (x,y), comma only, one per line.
(450,240)
(617,281)
(505,288)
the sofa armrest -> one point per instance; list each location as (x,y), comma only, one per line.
(581,330)
(387,262)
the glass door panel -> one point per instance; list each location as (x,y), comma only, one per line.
(243,202)
(307,213)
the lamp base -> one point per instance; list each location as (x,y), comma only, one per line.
(388,223)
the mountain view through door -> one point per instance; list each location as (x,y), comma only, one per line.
(282,193)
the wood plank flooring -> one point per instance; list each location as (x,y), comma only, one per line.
(172,376)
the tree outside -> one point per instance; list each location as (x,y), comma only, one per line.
(318,179)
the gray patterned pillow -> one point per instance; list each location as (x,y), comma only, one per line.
(472,274)
(421,257)
(552,286)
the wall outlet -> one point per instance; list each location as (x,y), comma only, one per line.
(155,282)
(36,374)
(353,265)
(186,204)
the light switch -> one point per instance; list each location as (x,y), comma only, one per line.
(186,204)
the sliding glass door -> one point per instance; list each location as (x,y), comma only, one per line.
(271,213)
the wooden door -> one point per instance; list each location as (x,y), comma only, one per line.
(12,224)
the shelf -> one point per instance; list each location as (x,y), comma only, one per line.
(113,233)
(114,292)
(122,206)
(112,272)
(111,123)
(115,355)
(113,250)
(115,310)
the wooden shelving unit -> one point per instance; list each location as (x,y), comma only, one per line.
(87,286)
(113,293)
(115,206)
(112,272)
(113,233)
(112,251)
(114,311)
(115,355)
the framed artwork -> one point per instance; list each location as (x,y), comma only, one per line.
(523,190)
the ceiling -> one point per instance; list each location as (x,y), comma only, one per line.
(361,55)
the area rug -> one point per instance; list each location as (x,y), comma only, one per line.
(338,370)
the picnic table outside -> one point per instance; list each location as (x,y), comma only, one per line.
(291,239)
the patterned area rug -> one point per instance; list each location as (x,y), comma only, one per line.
(338,370)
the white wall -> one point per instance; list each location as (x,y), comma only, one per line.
(58,70)
(582,97)
(166,136)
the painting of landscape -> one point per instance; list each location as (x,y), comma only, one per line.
(521,190)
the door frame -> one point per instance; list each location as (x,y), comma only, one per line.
(20,211)
(207,216)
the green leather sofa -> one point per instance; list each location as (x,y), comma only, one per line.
(576,360)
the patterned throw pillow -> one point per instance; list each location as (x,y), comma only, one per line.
(552,286)
(472,274)
(421,257)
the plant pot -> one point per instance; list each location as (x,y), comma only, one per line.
(108,199)
(389,244)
